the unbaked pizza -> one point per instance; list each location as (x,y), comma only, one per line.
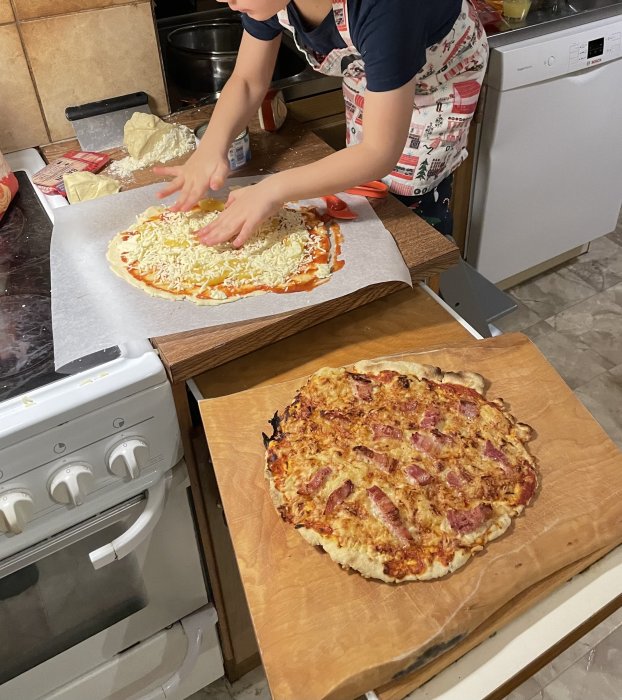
(293,251)
(398,470)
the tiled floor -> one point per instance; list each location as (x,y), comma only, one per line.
(574,315)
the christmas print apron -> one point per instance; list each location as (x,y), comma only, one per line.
(446,94)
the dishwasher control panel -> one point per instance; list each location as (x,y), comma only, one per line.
(586,53)
(555,55)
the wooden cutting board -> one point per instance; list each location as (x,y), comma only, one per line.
(328,633)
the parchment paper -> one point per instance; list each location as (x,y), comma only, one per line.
(93,309)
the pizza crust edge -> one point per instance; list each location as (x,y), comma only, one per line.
(471,380)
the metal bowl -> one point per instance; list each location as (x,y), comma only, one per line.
(202,56)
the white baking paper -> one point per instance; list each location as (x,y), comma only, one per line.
(93,309)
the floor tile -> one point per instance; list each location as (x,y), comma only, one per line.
(552,292)
(218,690)
(616,236)
(601,266)
(576,362)
(252,686)
(595,676)
(518,320)
(595,322)
(603,399)
(529,690)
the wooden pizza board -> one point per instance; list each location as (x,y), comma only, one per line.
(328,633)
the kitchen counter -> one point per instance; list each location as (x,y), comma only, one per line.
(425,251)
(565,14)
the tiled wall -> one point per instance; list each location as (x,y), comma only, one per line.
(59,53)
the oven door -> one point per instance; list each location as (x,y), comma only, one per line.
(61,616)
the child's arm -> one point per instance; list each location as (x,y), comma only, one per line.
(240,98)
(386,123)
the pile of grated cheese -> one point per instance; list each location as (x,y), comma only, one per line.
(166,250)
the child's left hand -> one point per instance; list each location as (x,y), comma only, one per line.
(245,210)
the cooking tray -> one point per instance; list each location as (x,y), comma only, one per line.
(328,633)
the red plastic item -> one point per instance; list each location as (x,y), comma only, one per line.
(338,209)
(376,189)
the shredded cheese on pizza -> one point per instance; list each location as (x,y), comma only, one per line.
(162,251)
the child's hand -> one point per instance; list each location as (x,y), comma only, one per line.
(245,210)
(193,178)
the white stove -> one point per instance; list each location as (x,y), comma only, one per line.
(99,564)
(79,444)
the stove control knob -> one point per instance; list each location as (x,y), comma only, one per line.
(15,511)
(71,484)
(128,458)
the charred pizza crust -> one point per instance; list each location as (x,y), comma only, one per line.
(398,470)
(295,250)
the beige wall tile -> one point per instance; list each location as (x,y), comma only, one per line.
(21,122)
(33,9)
(91,56)
(6,12)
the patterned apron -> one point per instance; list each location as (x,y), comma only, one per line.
(446,94)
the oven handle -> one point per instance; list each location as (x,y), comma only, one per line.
(194,626)
(139,530)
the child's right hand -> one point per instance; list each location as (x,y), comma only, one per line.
(198,174)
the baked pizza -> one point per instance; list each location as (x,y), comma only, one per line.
(398,470)
(295,250)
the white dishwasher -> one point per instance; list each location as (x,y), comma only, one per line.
(548,165)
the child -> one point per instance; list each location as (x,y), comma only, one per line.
(412,72)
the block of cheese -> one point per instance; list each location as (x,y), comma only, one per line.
(81,186)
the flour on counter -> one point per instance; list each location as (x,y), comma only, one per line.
(173,144)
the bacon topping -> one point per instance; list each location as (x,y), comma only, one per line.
(432,443)
(316,482)
(409,406)
(465,521)
(385,377)
(362,386)
(338,496)
(431,418)
(386,431)
(378,459)
(386,511)
(493,453)
(416,473)
(455,479)
(468,408)
(458,478)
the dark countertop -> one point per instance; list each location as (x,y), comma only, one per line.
(540,22)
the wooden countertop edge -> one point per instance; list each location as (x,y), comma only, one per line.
(253,334)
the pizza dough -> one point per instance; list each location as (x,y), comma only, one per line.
(398,470)
(292,251)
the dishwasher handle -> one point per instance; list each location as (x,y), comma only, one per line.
(139,531)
